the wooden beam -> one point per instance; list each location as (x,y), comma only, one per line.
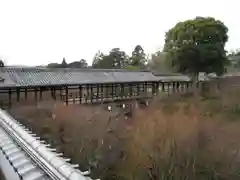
(102,92)
(80,94)
(10,98)
(54,93)
(40,95)
(145,87)
(122,90)
(163,86)
(97,91)
(91,92)
(153,88)
(112,93)
(157,87)
(26,93)
(138,90)
(35,93)
(66,92)
(18,94)
(173,86)
(87,89)
(130,90)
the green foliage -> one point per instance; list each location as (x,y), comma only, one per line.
(98,61)
(158,62)
(138,58)
(1,63)
(197,45)
(116,59)
(130,67)
(76,64)
(234,59)
(53,65)
(119,58)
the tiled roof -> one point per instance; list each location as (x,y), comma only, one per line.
(180,78)
(45,76)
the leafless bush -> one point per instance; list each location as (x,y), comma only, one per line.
(166,140)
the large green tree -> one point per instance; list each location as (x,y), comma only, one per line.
(234,59)
(138,58)
(197,45)
(158,62)
(119,58)
(1,63)
(78,64)
(116,59)
(97,60)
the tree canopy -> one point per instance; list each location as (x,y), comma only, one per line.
(158,62)
(118,59)
(138,58)
(76,64)
(197,45)
(1,63)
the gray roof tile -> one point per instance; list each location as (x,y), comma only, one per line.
(44,76)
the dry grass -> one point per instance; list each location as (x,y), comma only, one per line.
(166,141)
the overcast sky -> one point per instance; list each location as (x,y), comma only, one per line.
(34,32)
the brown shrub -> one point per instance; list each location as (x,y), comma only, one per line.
(167,140)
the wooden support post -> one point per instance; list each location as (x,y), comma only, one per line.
(25,93)
(183,86)
(54,93)
(87,97)
(18,94)
(61,94)
(80,94)
(138,90)
(66,93)
(9,98)
(122,91)
(145,88)
(173,87)
(51,89)
(116,92)
(153,88)
(40,96)
(177,87)
(97,93)
(163,86)
(168,88)
(112,93)
(130,90)
(157,88)
(91,92)
(187,86)
(102,92)
(107,88)
(35,94)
